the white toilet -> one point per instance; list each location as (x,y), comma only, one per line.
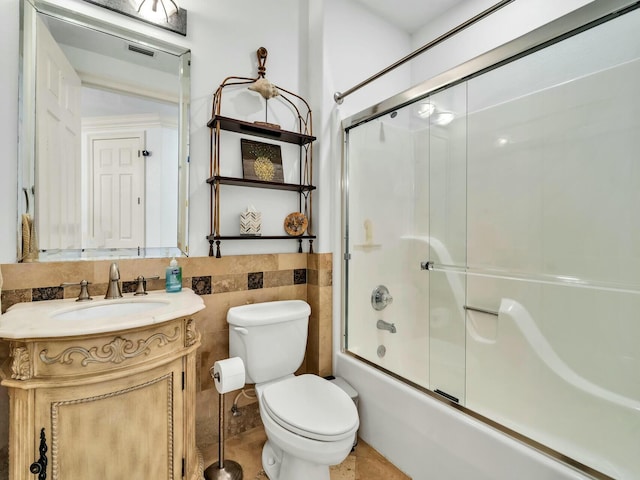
(310,422)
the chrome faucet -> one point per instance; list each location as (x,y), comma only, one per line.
(382,325)
(113,290)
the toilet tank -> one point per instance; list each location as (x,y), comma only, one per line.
(270,337)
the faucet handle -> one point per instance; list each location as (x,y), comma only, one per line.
(141,289)
(84,290)
(380,297)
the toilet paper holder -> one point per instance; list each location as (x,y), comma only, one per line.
(221,469)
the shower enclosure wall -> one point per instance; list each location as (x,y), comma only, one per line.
(502,213)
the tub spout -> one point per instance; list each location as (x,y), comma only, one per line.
(382,325)
(113,290)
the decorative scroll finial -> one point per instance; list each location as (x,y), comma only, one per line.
(263,86)
(262,60)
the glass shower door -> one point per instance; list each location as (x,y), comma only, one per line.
(386,232)
(447,241)
(502,215)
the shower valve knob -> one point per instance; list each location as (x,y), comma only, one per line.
(380,297)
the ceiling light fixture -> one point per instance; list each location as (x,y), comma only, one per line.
(443,118)
(158,9)
(160,13)
(425,109)
(502,141)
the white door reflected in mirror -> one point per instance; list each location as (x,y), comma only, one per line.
(118,192)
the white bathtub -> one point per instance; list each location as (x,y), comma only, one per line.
(428,439)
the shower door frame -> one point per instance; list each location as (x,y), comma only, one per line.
(578,21)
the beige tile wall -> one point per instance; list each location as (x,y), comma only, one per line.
(284,277)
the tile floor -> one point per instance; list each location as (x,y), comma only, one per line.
(364,463)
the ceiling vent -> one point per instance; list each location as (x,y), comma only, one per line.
(142,51)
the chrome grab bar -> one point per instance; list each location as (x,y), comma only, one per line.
(481,310)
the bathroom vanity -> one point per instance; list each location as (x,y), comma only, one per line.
(115,402)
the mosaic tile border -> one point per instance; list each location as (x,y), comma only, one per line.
(255,280)
(300,276)
(201,285)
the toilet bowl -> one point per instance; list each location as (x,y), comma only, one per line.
(310,422)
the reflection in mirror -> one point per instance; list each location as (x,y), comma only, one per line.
(107,174)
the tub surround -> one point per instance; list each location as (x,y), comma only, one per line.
(453,445)
(221,283)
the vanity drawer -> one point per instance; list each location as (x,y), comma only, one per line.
(104,353)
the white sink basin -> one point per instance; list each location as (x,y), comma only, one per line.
(108,310)
(61,318)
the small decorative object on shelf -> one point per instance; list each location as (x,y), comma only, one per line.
(262,163)
(250,222)
(295,224)
(273,126)
(264,87)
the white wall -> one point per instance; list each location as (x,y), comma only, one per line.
(227,39)
(343,52)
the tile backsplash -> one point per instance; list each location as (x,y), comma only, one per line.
(222,283)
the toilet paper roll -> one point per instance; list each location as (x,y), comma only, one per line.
(228,375)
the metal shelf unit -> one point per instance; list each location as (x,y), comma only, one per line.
(303,138)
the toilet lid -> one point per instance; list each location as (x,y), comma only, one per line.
(311,407)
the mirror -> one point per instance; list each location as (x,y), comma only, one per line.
(103,140)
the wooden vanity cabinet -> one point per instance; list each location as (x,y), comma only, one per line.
(111,406)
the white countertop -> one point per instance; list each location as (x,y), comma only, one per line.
(38,319)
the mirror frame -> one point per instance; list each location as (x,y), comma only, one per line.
(29,9)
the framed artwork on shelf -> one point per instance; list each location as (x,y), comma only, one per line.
(261,161)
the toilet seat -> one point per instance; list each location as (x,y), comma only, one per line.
(311,407)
